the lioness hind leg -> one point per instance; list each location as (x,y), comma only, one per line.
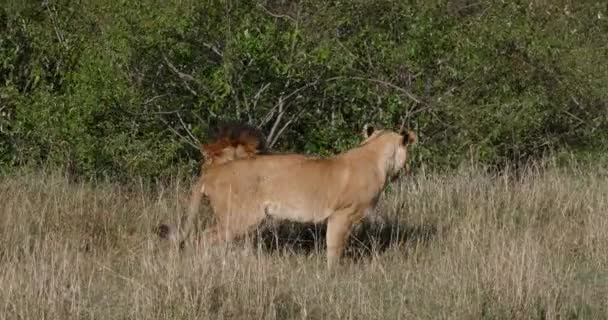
(214,235)
(187,221)
(228,230)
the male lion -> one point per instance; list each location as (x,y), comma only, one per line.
(342,188)
(231,141)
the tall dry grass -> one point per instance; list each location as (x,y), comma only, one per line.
(467,245)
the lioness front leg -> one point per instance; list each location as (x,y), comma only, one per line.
(339,226)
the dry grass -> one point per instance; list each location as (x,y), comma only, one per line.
(460,246)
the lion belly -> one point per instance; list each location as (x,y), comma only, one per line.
(286,211)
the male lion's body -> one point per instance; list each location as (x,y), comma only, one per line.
(341,189)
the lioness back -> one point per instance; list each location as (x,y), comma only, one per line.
(295,186)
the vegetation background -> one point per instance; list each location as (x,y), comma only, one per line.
(108,100)
(126,88)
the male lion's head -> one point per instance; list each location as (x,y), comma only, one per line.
(392,144)
(233,141)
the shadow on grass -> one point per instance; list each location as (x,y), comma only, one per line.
(367,238)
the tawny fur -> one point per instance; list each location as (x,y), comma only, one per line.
(341,189)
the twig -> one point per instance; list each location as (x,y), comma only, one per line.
(409,113)
(213,48)
(273,136)
(148,101)
(276,15)
(276,121)
(186,128)
(573,116)
(178,134)
(199,118)
(58,32)
(280,105)
(345,48)
(183,76)
(254,101)
(575,101)
(153,113)
(276,138)
(258,94)
(270,113)
(408,94)
(386,83)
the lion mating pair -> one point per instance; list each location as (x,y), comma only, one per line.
(244,184)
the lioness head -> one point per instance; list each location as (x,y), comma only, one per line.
(393,144)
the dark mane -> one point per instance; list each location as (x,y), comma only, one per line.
(234,134)
(237,133)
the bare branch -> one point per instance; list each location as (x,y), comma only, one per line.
(213,48)
(276,138)
(52,16)
(186,128)
(148,101)
(386,83)
(276,15)
(258,94)
(179,117)
(267,117)
(153,113)
(183,76)
(402,124)
(575,101)
(253,103)
(280,108)
(178,134)
(276,121)
(409,113)
(271,112)
(201,121)
(573,116)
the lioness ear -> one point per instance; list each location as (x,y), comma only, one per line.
(409,138)
(368,130)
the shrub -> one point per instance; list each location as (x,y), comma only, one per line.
(129,89)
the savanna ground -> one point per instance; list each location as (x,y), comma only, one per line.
(465,245)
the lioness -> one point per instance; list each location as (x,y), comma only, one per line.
(342,189)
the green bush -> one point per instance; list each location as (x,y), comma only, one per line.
(126,89)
